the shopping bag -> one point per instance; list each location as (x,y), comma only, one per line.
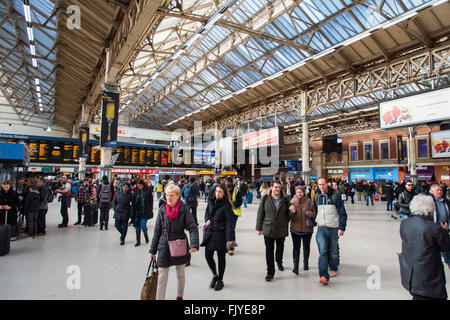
(148,291)
(344,197)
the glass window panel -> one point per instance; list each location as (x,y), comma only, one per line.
(422,147)
(385,150)
(368,151)
(354,153)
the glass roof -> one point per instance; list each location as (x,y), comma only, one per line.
(237,60)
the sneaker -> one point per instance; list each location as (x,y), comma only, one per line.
(323,281)
(269,277)
(214,282)
(333,274)
(179,298)
(219,285)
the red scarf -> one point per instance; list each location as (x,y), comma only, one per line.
(173,213)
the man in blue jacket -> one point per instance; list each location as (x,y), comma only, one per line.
(331,220)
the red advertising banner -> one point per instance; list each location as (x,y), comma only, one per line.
(263,138)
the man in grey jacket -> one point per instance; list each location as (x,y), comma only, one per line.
(331,220)
(44,190)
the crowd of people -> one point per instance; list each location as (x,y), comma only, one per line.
(288,207)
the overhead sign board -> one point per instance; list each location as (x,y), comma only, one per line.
(263,138)
(421,108)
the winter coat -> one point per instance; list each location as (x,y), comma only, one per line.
(421,269)
(388,190)
(332,198)
(148,204)
(43,192)
(32,202)
(160,245)
(220,231)
(298,221)
(359,187)
(122,206)
(404,200)
(273,223)
(371,189)
(11,199)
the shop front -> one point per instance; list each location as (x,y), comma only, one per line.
(383,175)
(335,174)
(360,173)
(424,173)
(442,174)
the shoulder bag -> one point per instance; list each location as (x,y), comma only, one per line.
(177,247)
(309,221)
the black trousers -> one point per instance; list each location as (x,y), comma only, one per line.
(104,214)
(209,255)
(41,224)
(297,242)
(80,211)
(270,248)
(64,210)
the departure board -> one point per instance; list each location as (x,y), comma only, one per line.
(164,159)
(94,156)
(120,158)
(34,149)
(156,158)
(149,160)
(68,153)
(56,153)
(134,156)
(169,158)
(126,155)
(142,156)
(43,152)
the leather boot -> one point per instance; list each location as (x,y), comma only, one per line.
(296,255)
(146,236)
(138,239)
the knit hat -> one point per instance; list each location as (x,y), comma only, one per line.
(104,178)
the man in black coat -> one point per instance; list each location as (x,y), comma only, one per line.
(421,268)
(388,190)
(405,198)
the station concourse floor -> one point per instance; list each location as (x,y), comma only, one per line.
(38,268)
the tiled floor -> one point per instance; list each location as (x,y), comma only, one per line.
(40,268)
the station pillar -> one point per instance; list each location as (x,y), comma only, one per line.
(306,169)
(412,159)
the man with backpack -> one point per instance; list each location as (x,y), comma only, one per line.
(331,220)
(105,197)
(83,199)
(190,194)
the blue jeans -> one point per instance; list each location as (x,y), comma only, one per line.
(122,227)
(244,201)
(327,242)
(141,225)
(389,205)
(369,196)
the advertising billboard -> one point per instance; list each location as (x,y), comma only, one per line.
(421,108)
(263,138)
(440,141)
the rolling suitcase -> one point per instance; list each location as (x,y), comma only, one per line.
(94,213)
(249,197)
(5,237)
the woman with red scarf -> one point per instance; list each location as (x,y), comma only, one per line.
(173,218)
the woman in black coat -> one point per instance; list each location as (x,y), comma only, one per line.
(421,269)
(173,218)
(219,223)
(9,203)
(142,210)
(122,210)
